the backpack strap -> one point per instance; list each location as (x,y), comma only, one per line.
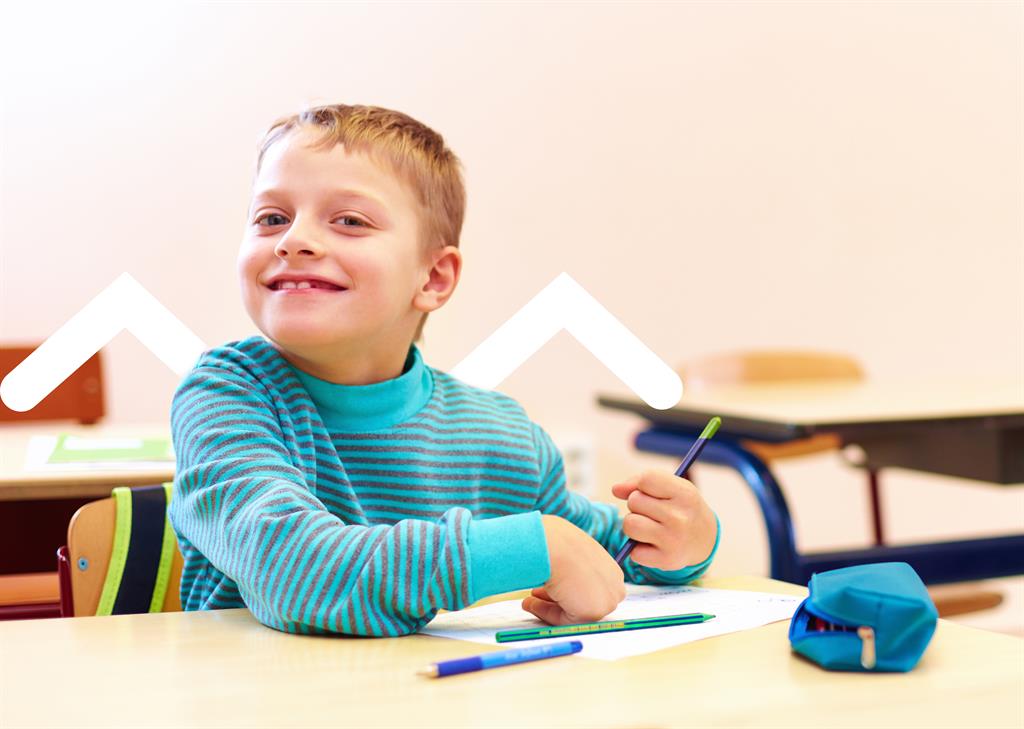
(140,558)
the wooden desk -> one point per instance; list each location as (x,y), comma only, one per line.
(17,483)
(223,669)
(36,505)
(970,428)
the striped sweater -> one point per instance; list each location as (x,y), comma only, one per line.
(362,510)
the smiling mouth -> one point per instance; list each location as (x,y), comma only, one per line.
(304,287)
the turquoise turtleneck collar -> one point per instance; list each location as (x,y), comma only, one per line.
(362,408)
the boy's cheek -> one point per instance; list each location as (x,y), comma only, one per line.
(251,248)
(251,264)
(244,263)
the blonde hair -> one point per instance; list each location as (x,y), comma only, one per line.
(414,152)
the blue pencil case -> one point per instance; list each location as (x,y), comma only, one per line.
(872,617)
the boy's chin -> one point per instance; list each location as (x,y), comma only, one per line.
(310,340)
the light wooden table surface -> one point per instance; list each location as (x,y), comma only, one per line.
(817,405)
(969,427)
(223,669)
(868,400)
(19,484)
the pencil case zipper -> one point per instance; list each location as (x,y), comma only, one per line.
(865,634)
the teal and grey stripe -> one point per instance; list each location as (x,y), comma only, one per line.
(327,508)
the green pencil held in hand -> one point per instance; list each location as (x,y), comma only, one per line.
(608,626)
(688,459)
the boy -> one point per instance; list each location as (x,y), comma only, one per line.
(329,480)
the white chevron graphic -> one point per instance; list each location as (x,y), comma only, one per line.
(564,304)
(124,304)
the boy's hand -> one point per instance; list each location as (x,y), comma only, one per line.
(585,583)
(669,519)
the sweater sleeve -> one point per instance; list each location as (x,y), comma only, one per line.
(601,521)
(242,502)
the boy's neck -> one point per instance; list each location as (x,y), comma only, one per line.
(365,366)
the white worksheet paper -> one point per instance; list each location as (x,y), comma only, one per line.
(734,610)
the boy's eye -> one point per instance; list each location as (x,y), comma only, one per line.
(346,220)
(270,215)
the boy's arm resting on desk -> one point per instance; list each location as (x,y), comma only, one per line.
(602,521)
(250,525)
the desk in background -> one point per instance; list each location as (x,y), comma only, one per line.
(958,427)
(36,505)
(222,668)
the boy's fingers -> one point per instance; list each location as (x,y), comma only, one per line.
(623,490)
(642,528)
(650,556)
(661,485)
(546,610)
(660,510)
(541,593)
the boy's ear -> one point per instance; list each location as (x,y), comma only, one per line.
(445,265)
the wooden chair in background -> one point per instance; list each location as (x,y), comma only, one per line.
(768,366)
(32,530)
(85,562)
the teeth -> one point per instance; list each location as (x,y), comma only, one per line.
(304,285)
(294,285)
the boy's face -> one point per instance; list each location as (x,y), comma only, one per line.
(341,218)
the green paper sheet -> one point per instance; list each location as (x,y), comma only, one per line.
(88,449)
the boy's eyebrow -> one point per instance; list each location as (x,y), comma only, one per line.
(339,193)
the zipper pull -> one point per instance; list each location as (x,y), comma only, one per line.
(867,652)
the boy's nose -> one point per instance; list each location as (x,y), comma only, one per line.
(284,251)
(296,244)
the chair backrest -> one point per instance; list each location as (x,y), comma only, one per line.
(103,570)
(733,368)
(79,397)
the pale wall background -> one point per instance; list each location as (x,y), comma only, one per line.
(831,175)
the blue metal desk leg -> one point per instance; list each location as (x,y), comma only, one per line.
(722,451)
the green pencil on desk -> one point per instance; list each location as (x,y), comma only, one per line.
(607,626)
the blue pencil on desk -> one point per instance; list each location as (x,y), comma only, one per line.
(501,658)
(688,459)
